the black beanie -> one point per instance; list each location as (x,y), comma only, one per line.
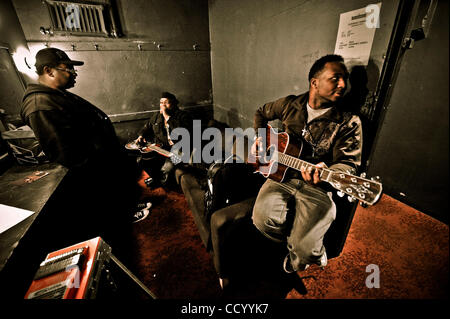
(172,99)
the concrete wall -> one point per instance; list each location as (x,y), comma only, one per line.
(12,44)
(10,29)
(412,148)
(124,80)
(262,50)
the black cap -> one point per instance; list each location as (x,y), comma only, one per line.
(52,55)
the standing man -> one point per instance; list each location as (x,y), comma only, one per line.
(157,130)
(99,192)
(299,210)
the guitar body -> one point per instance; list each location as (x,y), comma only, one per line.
(281,154)
(271,168)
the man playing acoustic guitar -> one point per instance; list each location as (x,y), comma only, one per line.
(299,210)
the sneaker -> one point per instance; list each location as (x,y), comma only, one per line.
(141,206)
(287,266)
(323,261)
(149,181)
(140,215)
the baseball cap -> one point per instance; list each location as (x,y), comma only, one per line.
(53,55)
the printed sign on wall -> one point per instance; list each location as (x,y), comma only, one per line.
(355,34)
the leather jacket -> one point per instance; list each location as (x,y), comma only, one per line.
(155,131)
(334,137)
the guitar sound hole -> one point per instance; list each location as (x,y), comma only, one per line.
(269,155)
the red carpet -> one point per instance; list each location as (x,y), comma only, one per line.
(170,257)
(410,249)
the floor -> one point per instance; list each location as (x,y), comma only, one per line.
(392,252)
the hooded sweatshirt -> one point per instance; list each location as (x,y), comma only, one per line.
(71,131)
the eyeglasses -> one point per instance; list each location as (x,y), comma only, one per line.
(71,71)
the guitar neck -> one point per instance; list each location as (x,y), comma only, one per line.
(356,187)
(299,164)
(161,151)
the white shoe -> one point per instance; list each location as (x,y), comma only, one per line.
(144,205)
(287,266)
(322,262)
(141,215)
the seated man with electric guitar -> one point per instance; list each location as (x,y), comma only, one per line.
(294,205)
(155,139)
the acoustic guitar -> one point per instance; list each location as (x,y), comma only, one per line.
(287,155)
(149,147)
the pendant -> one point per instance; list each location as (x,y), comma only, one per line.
(304,132)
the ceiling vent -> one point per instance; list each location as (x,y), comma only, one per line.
(79,18)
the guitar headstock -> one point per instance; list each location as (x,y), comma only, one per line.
(368,191)
(175,159)
(176,156)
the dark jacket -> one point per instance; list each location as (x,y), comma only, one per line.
(98,193)
(334,137)
(155,131)
(71,131)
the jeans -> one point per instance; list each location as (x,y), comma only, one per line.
(160,168)
(296,213)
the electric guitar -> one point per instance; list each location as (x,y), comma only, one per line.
(149,147)
(286,155)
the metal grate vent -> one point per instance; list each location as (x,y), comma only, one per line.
(82,18)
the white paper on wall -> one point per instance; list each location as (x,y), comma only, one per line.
(355,34)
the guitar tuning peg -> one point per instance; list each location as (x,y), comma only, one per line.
(351,199)
(363,204)
(340,194)
(376,178)
(363,175)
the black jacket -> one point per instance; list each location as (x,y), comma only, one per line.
(98,193)
(71,131)
(336,136)
(155,131)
